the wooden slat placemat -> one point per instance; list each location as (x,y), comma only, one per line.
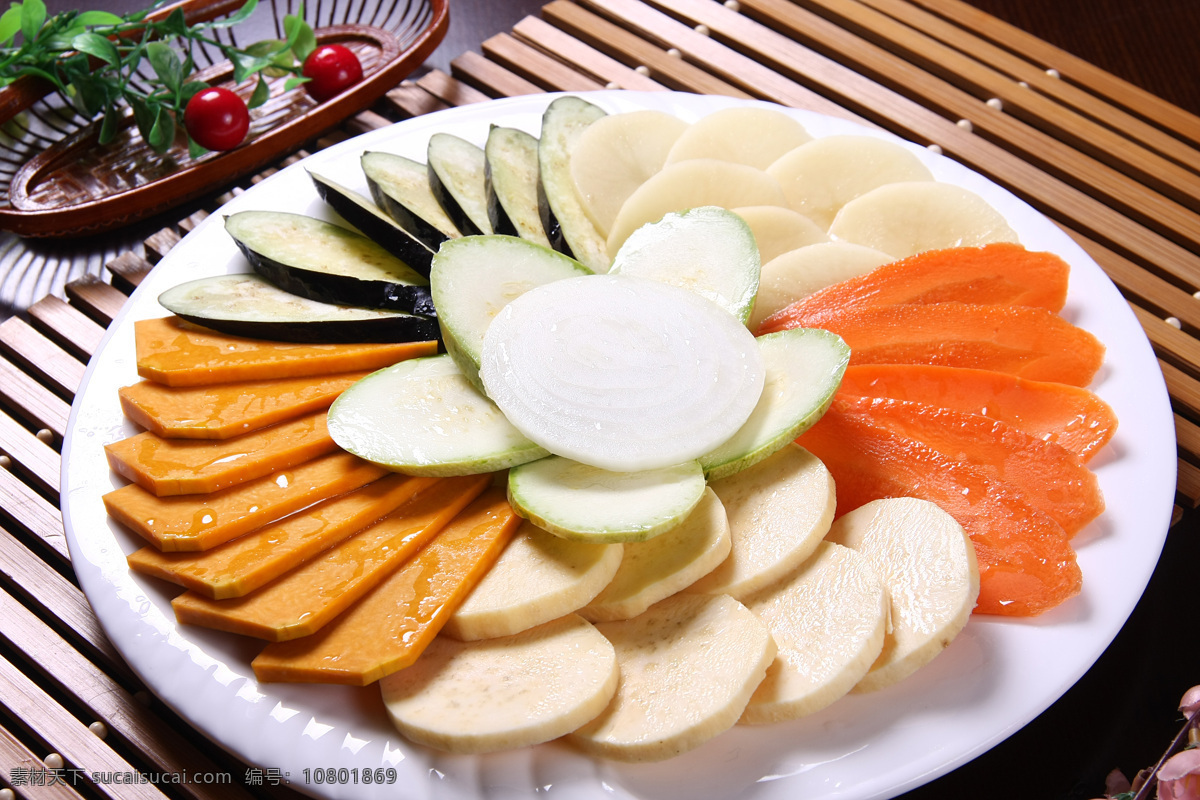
(1117,168)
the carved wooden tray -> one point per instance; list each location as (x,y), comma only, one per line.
(58,181)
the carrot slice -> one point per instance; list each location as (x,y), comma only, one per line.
(191,466)
(226,410)
(387,630)
(1027,342)
(995,274)
(1026,564)
(302,600)
(1069,416)
(241,566)
(196,522)
(176,354)
(1049,477)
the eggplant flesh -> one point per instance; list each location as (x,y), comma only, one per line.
(400,186)
(249,305)
(456,177)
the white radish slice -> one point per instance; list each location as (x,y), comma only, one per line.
(779,510)
(828,621)
(688,667)
(698,182)
(566,223)
(502,694)
(423,417)
(798,273)
(822,176)
(538,578)
(617,154)
(656,569)
(708,250)
(472,278)
(804,369)
(927,564)
(577,501)
(777,229)
(755,137)
(621,373)
(903,219)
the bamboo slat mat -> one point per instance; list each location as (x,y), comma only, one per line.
(1117,168)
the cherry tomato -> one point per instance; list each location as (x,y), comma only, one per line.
(331,68)
(216,118)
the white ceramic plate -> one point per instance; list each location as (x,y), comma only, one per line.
(995,677)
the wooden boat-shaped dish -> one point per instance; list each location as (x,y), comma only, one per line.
(63,183)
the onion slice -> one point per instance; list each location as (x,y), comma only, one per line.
(621,373)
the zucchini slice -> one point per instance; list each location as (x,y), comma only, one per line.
(512,184)
(248,305)
(400,186)
(326,262)
(567,225)
(457,179)
(363,214)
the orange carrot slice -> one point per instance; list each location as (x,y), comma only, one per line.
(1027,342)
(1049,477)
(1069,416)
(1026,564)
(191,466)
(302,600)
(391,626)
(248,562)
(995,274)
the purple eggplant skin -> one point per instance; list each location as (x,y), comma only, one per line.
(378,227)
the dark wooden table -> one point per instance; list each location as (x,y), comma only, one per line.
(1121,715)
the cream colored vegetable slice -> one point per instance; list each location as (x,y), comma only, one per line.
(928,565)
(798,273)
(578,501)
(688,667)
(617,154)
(539,577)
(903,219)
(501,694)
(820,177)
(688,184)
(656,569)
(828,621)
(755,137)
(777,230)
(778,510)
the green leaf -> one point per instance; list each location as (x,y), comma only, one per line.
(261,92)
(279,54)
(189,90)
(195,150)
(96,45)
(143,115)
(94,18)
(33,16)
(292,83)
(108,128)
(176,23)
(300,36)
(245,65)
(89,95)
(162,132)
(10,23)
(166,64)
(241,15)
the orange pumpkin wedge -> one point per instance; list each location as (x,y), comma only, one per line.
(176,354)
(389,628)
(241,566)
(1069,416)
(191,466)
(1048,477)
(1030,343)
(1002,273)
(1026,564)
(194,522)
(301,601)
(229,409)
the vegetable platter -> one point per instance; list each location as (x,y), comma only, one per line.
(996,676)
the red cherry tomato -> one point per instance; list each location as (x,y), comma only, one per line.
(330,69)
(216,118)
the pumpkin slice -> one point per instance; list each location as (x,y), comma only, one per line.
(391,626)
(241,566)
(174,353)
(190,466)
(197,522)
(227,410)
(311,595)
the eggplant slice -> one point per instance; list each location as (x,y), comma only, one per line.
(326,262)
(248,305)
(457,179)
(400,186)
(512,184)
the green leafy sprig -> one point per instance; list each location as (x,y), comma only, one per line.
(91,57)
